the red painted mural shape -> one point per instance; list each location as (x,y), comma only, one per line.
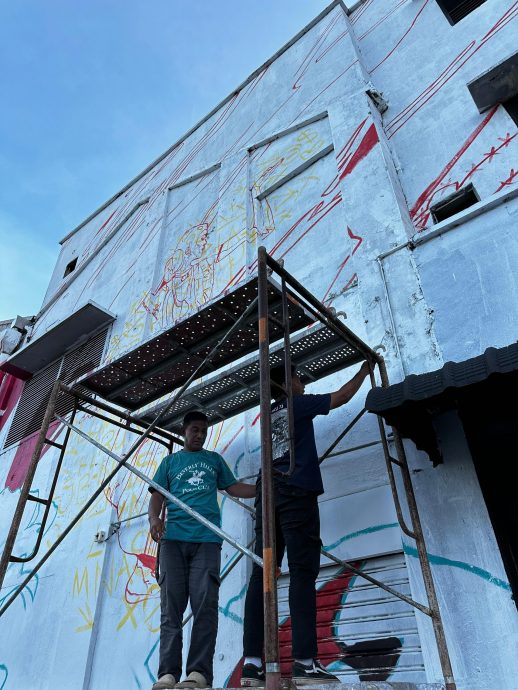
(22,458)
(371,659)
(399,120)
(420,212)
(10,391)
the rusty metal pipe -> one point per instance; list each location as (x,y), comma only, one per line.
(126,426)
(341,435)
(48,501)
(112,409)
(271,633)
(426,569)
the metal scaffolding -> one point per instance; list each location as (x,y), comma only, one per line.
(261,311)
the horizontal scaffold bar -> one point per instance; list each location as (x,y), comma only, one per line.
(193,513)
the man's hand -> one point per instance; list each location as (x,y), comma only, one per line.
(365,368)
(156,528)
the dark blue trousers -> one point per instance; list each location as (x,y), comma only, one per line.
(297,527)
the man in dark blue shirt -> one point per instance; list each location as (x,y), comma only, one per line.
(297,526)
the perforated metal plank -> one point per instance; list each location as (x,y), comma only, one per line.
(165,363)
(316,353)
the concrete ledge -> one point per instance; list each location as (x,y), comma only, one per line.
(372,685)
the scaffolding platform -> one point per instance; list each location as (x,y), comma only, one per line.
(166,362)
(255,315)
(317,352)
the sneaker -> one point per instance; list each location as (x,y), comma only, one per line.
(252,676)
(193,680)
(165,682)
(313,673)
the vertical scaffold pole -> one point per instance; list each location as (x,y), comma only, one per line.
(271,633)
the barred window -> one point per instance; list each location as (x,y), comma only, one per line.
(455,10)
(35,395)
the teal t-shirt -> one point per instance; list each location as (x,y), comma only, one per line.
(194,478)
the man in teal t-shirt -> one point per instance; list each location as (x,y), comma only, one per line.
(190,553)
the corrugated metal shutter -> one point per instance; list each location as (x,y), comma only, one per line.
(33,401)
(364,633)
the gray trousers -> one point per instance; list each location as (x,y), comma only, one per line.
(188,571)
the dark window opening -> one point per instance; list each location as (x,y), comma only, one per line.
(36,392)
(512,108)
(70,267)
(455,10)
(498,85)
(455,203)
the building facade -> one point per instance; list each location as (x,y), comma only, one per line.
(359,156)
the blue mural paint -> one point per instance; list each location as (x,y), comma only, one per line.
(232,616)
(135,678)
(236,465)
(436,560)
(4,670)
(151,675)
(473,569)
(227,613)
(353,535)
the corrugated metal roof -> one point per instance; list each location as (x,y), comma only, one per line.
(409,406)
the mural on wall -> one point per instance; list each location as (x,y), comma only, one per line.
(372,660)
(444,184)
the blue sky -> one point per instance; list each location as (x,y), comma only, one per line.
(92,91)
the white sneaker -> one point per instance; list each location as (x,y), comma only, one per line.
(166,682)
(194,680)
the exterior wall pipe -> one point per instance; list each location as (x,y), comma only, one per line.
(391,316)
(271,632)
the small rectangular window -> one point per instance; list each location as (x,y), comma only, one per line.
(70,267)
(455,203)
(455,10)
